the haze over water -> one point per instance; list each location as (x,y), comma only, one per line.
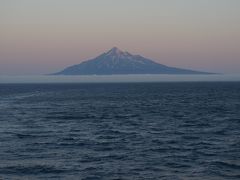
(120,78)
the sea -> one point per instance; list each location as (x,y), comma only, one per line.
(120,131)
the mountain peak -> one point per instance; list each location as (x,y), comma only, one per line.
(115,51)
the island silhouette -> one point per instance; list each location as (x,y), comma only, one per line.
(120,62)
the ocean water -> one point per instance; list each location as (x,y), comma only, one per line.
(128,131)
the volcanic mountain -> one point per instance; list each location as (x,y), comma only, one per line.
(116,61)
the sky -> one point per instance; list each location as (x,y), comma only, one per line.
(45,36)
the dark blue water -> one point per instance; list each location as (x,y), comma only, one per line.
(120,131)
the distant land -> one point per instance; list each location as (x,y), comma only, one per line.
(119,62)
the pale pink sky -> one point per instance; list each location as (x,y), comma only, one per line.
(38,37)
